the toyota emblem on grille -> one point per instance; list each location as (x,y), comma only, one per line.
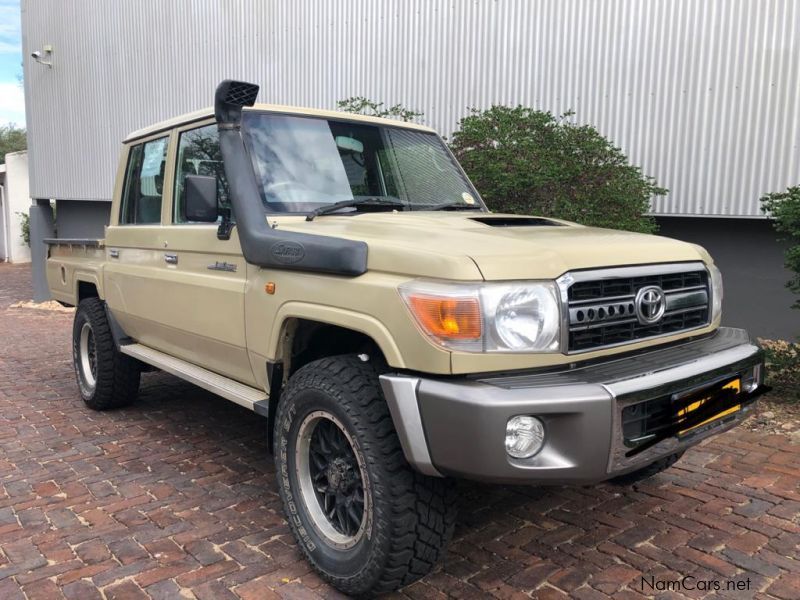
(650,304)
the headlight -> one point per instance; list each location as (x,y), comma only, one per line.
(521,318)
(716,292)
(491,317)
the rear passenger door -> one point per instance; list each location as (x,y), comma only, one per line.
(135,240)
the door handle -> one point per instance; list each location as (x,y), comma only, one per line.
(113,253)
(171,259)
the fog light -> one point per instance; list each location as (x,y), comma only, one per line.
(524,436)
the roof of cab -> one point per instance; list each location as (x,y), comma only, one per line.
(207,113)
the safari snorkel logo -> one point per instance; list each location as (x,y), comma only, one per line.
(287,252)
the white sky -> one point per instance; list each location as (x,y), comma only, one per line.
(12,104)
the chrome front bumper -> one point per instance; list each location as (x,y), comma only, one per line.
(456,427)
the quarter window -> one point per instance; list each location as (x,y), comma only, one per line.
(199,154)
(144,183)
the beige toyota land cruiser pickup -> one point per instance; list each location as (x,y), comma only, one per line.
(339,275)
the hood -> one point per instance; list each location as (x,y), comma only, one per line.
(454,245)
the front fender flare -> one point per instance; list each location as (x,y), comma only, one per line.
(340,317)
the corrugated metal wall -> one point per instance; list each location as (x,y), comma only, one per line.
(702,94)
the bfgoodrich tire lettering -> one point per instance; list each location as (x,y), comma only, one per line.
(408,518)
(106,378)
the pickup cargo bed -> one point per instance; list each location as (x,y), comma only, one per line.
(72,261)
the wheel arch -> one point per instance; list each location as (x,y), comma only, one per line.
(293,316)
(295,342)
(87,285)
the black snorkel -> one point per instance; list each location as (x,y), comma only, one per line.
(261,244)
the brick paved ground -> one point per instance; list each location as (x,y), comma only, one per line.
(175,496)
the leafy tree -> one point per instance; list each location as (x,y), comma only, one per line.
(12,139)
(529,161)
(783,208)
(365,106)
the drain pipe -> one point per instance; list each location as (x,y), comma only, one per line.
(261,244)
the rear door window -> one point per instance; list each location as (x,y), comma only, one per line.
(143,191)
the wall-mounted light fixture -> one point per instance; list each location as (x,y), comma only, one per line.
(41,56)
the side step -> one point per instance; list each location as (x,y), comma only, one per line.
(241,394)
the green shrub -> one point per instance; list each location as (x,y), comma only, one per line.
(783,367)
(783,208)
(529,161)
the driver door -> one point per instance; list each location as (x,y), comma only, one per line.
(203,278)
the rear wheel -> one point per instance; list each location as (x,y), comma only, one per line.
(106,377)
(366,521)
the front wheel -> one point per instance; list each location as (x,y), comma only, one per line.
(366,521)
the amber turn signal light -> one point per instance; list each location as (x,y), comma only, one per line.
(448,318)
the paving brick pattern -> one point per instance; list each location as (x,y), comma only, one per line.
(175,497)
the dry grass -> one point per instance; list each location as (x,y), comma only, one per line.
(50,305)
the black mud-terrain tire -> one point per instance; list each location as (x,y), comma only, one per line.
(114,382)
(410,516)
(647,472)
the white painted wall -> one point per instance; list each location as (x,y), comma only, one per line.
(16,200)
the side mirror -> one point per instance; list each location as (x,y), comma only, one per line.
(201,198)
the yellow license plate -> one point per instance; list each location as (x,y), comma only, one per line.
(736,385)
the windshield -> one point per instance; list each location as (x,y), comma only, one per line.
(304,163)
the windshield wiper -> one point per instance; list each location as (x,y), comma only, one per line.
(454,206)
(361,201)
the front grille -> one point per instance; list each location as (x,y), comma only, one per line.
(602,312)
